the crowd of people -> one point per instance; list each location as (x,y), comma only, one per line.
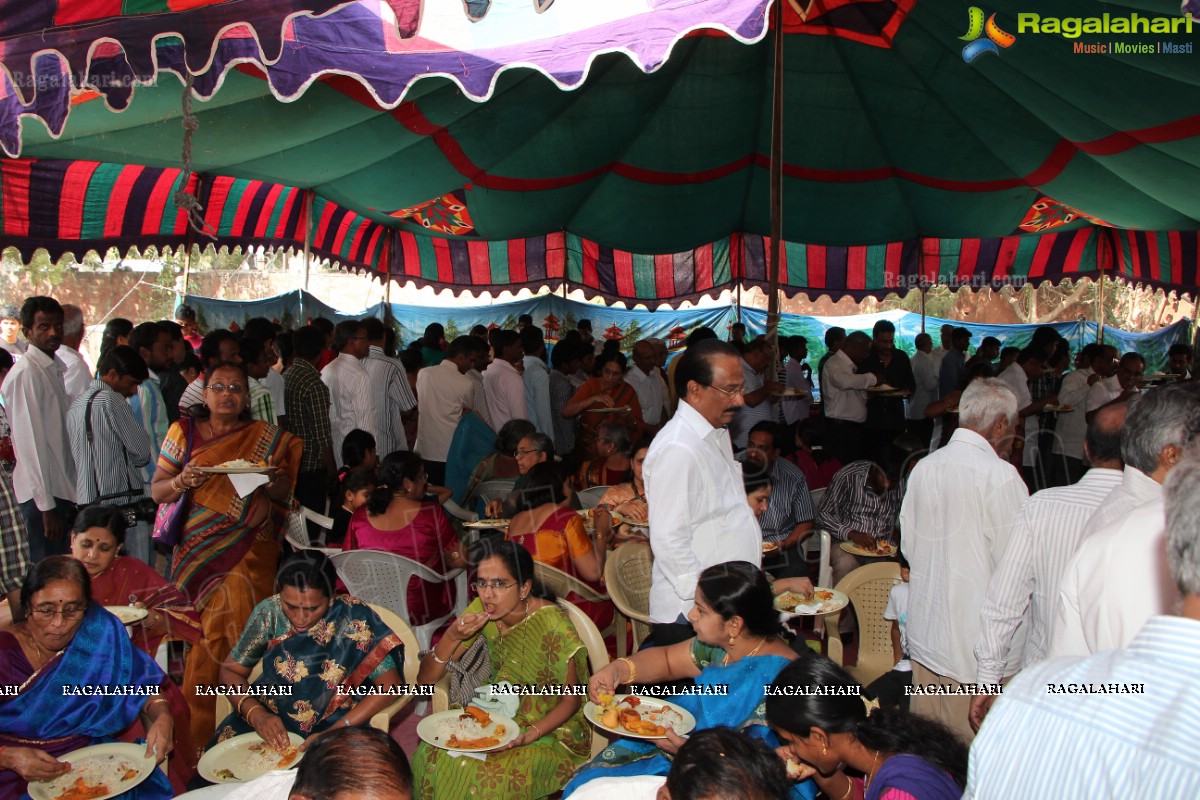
(1045,520)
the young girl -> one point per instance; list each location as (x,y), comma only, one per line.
(355,488)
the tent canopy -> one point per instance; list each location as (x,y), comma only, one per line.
(903,164)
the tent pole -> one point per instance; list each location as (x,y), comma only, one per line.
(773,263)
(1100,310)
(923,290)
(308,195)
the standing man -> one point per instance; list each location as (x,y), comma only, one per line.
(1029,365)
(258,361)
(267,332)
(152,342)
(351,405)
(218,347)
(1122,381)
(393,399)
(925,388)
(833,342)
(694,488)
(758,405)
(797,384)
(647,381)
(443,396)
(885,415)
(953,370)
(308,399)
(109,444)
(1179,361)
(987,353)
(78,375)
(844,397)
(957,518)
(36,401)
(502,382)
(1072,427)
(536,379)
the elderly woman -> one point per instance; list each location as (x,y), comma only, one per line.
(611,464)
(323,647)
(607,398)
(627,502)
(66,639)
(503,463)
(534,449)
(531,642)
(737,647)
(398,519)
(901,756)
(226,557)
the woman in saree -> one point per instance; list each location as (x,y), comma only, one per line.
(597,401)
(737,645)
(611,465)
(226,557)
(900,756)
(533,449)
(626,502)
(500,465)
(531,641)
(555,535)
(323,647)
(398,519)
(67,640)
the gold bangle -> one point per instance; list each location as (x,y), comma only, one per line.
(154,700)
(251,714)
(240,703)
(849,787)
(632,670)
(537,730)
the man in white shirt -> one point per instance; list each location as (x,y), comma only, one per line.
(36,402)
(350,403)
(1046,533)
(956,522)
(502,383)
(443,395)
(394,401)
(694,488)
(78,376)
(475,375)
(1117,578)
(1029,365)
(758,403)
(536,379)
(266,332)
(1136,737)
(925,391)
(844,396)
(648,383)
(797,383)
(1069,430)
(1123,384)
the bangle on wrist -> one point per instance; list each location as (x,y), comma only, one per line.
(632,670)
(240,703)
(536,730)
(849,787)
(250,716)
(433,653)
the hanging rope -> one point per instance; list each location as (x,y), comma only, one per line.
(184,199)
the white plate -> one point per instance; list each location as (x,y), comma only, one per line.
(432,730)
(884,387)
(681,721)
(1059,409)
(487,524)
(234,470)
(128,614)
(770,547)
(613,410)
(233,757)
(855,550)
(836,601)
(109,761)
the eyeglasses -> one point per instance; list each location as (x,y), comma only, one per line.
(220,388)
(529,452)
(735,391)
(48,613)
(495,586)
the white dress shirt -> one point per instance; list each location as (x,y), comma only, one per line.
(1116,581)
(505,391)
(796,407)
(1135,489)
(1046,532)
(1014,378)
(925,376)
(651,393)
(1071,429)
(747,416)
(479,397)
(36,401)
(1103,392)
(537,394)
(78,375)
(350,403)
(843,393)
(955,522)
(443,394)
(274,383)
(392,397)
(698,510)
(1040,742)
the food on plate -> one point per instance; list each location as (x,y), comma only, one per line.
(275,759)
(82,790)
(769,547)
(241,463)
(625,715)
(226,775)
(477,714)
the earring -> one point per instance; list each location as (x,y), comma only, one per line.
(824,749)
(732,641)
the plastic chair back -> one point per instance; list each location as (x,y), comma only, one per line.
(590,498)
(868,589)
(488,491)
(593,640)
(627,576)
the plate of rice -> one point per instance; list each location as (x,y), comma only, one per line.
(245,757)
(470,730)
(128,614)
(487,524)
(97,772)
(823,601)
(238,466)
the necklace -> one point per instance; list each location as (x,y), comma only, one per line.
(42,657)
(500,623)
(751,654)
(871,773)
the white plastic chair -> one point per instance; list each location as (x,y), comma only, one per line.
(868,589)
(498,489)
(382,578)
(563,584)
(627,576)
(296,530)
(824,568)
(590,498)
(458,512)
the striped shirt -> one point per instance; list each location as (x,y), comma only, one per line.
(308,412)
(351,404)
(107,464)
(1046,532)
(850,505)
(393,396)
(262,403)
(151,413)
(1041,741)
(789,504)
(193,395)
(748,416)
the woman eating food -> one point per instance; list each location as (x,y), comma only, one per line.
(625,502)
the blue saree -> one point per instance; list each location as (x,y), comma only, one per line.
(742,708)
(907,776)
(43,716)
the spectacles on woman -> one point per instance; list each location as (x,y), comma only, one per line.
(495,586)
(221,388)
(47,613)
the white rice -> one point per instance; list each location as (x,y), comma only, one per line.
(105,769)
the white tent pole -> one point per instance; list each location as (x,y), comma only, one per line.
(308,196)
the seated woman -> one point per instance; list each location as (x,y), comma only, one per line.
(812,456)
(534,449)
(502,464)
(757,484)
(627,501)
(737,645)
(65,638)
(356,488)
(596,401)
(555,535)
(611,464)
(318,644)
(397,519)
(901,756)
(530,641)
